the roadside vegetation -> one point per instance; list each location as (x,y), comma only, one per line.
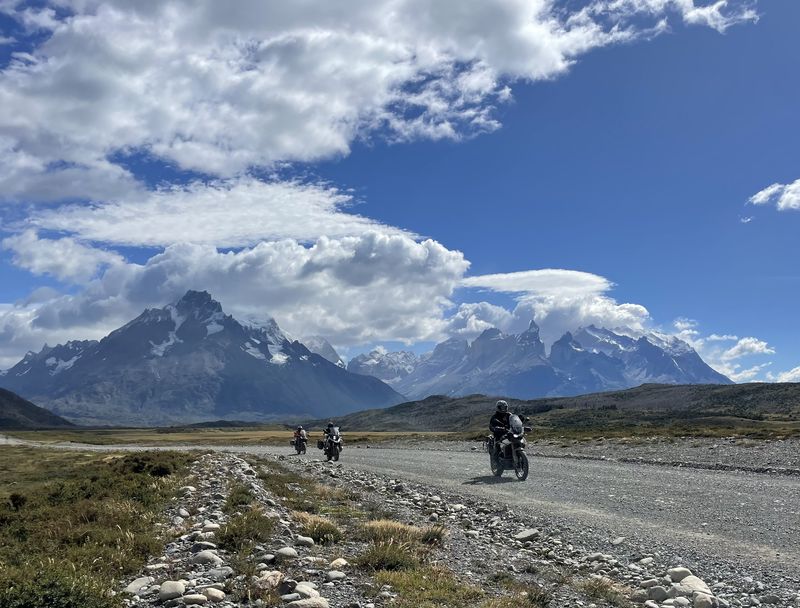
(73,523)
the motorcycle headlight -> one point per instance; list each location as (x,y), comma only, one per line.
(524,442)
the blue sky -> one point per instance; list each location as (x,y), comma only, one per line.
(619,147)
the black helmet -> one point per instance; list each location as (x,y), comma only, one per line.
(502,406)
(330,425)
(299,428)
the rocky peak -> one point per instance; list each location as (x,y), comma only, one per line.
(197,304)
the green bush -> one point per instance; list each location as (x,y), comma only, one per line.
(49,589)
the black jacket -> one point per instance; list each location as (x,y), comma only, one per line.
(499,423)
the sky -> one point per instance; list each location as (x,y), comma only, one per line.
(397,172)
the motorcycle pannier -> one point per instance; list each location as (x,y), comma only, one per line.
(320,444)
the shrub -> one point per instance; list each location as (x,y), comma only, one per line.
(322,530)
(430,586)
(389,555)
(239,496)
(51,589)
(602,588)
(245,530)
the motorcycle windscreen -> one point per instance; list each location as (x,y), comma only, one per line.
(515,424)
(335,432)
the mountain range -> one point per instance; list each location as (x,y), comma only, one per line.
(191,362)
(19,413)
(591,360)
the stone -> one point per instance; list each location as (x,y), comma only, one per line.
(306,590)
(304,541)
(291,597)
(206,557)
(650,582)
(136,585)
(527,534)
(202,545)
(286,553)
(215,595)
(770,598)
(220,574)
(195,599)
(703,600)
(695,584)
(335,575)
(678,574)
(170,590)
(657,593)
(270,579)
(618,541)
(639,596)
(312,602)
(338,564)
(183,513)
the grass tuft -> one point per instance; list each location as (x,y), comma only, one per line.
(238,497)
(431,586)
(245,531)
(321,529)
(390,555)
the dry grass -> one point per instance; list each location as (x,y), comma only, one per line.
(321,529)
(245,530)
(603,588)
(429,587)
(382,530)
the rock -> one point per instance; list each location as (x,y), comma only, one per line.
(335,575)
(304,541)
(657,593)
(338,564)
(639,596)
(618,541)
(770,598)
(650,582)
(527,534)
(170,590)
(183,513)
(286,553)
(703,600)
(195,599)
(312,602)
(187,490)
(142,581)
(291,597)
(306,590)
(211,527)
(215,595)
(206,557)
(695,584)
(681,602)
(678,574)
(202,545)
(220,574)
(472,534)
(270,580)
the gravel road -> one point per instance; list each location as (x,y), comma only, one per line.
(728,524)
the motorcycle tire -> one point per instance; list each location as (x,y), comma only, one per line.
(521,469)
(497,469)
(335,454)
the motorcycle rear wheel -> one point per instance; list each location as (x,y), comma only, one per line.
(494,464)
(521,468)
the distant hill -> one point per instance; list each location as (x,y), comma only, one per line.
(646,406)
(18,413)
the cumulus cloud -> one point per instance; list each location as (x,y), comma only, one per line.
(561,300)
(472,319)
(353,290)
(792,375)
(726,360)
(65,259)
(219,89)
(230,213)
(784,196)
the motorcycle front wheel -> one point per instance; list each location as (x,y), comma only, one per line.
(335,454)
(497,469)
(521,468)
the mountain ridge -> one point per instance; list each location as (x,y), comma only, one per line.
(190,362)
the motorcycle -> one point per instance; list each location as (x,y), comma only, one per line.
(331,446)
(299,444)
(509,452)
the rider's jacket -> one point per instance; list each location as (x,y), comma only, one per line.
(499,423)
(301,434)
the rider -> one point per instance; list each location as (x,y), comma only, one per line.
(301,434)
(499,423)
(329,431)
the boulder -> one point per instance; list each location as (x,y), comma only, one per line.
(170,590)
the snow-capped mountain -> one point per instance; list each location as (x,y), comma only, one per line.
(189,362)
(590,360)
(389,367)
(320,346)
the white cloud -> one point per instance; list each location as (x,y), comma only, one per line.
(231,213)
(745,347)
(353,290)
(561,300)
(792,375)
(749,374)
(65,259)
(721,338)
(218,88)
(471,319)
(784,196)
